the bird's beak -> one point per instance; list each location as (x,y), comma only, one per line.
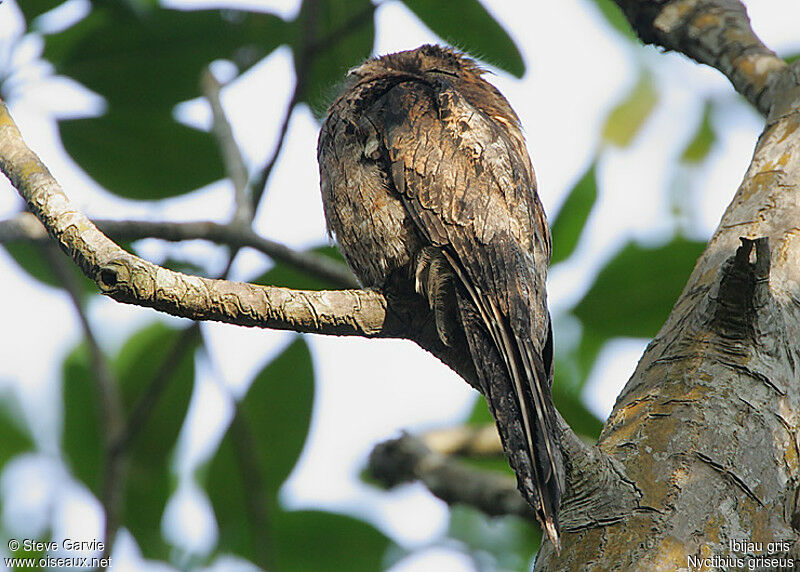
(356,70)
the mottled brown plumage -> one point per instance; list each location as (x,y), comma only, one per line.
(426,180)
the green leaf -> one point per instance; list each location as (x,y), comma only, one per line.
(184,266)
(143,65)
(568,402)
(497,543)
(15,437)
(144,358)
(628,117)
(31,9)
(156,59)
(59,46)
(82,441)
(278,410)
(572,216)
(330,37)
(704,138)
(232,502)
(316,540)
(790,59)
(468,25)
(142,154)
(614,16)
(632,296)
(566,397)
(588,350)
(329,251)
(260,450)
(480,413)
(31,553)
(290,277)
(498,463)
(33,259)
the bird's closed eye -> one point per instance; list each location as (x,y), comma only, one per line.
(443,72)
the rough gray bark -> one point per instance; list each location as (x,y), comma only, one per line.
(706,430)
(713,32)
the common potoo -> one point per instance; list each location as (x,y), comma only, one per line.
(426,180)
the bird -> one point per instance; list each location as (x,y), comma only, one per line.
(426,182)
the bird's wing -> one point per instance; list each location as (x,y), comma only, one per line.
(469,187)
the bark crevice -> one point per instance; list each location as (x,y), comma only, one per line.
(597,492)
(735,303)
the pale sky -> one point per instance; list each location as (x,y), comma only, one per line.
(576,72)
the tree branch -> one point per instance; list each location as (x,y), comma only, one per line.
(129,279)
(464,440)
(394,313)
(597,490)
(146,402)
(26,227)
(302,65)
(259,185)
(712,32)
(231,155)
(108,403)
(110,408)
(408,458)
(706,430)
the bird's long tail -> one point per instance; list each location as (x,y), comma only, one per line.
(513,375)
(516,386)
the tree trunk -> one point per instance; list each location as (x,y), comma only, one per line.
(706,430)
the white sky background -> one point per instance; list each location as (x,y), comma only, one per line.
(576,71)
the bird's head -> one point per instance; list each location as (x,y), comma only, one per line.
(425,61)
(437,66)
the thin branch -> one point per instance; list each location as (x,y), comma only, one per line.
(146,403)
(408,458)
(231,154)
(259,184)
(120,443)
(26,227)
(346,28)
(257,507)
(302,65)
(130,279)
(108,401)
(464,440)
(597,490)
(712,32)
(105,381)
